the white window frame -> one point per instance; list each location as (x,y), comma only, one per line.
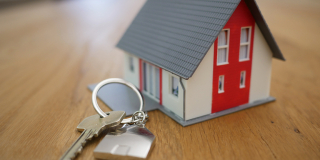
(222,90)
(225,46)
(244,79)
(245,43)
(147,89)
(171,85)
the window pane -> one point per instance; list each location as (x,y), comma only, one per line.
(175,86)
(157,83)
(244,52)
(222,55)
(131,64)
(244,35)
(150,79)
(242,78)
(144,76)
(221,84)
(223,38)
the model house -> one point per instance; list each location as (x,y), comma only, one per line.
(200,58)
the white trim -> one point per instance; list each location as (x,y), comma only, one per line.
(225,46)
(222,82)
(220,64)
(146,90)
(244,79)
(245,43)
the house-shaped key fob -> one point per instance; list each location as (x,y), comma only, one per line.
(127,142)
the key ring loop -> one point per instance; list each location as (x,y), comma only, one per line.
(114,80)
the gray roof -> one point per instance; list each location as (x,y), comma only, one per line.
(176,34)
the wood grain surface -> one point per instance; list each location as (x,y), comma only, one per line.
(50,51)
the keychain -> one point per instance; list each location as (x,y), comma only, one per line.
(132,140)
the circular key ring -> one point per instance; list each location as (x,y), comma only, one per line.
(114,80)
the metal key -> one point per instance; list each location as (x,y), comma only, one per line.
(92,126)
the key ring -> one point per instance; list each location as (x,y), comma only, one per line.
(120,81)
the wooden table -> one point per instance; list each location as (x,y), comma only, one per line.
(51,51)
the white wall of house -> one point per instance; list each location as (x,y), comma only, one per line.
(170,101)
(131,76)
(199,89)
(261,68)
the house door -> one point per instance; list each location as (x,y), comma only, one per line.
(151,80)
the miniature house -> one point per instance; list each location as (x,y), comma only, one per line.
(200,58)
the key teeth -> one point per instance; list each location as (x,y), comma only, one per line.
(74,156)
(76,153)
(90,137)
(80,150)
(80,143)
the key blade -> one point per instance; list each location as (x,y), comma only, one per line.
(92,126)
(77,146)
(114,118)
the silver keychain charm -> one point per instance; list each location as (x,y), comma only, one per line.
(132,140)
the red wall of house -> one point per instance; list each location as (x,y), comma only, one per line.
(233,95)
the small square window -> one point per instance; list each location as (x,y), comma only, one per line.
(174,86)
(131,64)
(242,79)
(221,84)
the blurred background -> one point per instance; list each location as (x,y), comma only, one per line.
(51,50)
